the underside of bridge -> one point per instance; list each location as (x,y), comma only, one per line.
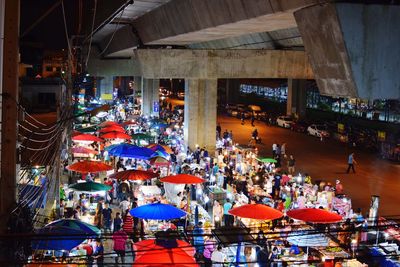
(346,47)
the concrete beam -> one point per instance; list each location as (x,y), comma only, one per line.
(353,48)
(102,67)
(123,39)
(204,20)
(213,64)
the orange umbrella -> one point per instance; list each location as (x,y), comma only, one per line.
(182,179)
(86,137)
(313,215)
(89,166)
(107,123)
(113,128)
(83,150)
(159,161)
(149,253)
(155,147)
(116,135)
(257,212)
(134,175)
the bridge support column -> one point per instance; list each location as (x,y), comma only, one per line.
(106,85)
(296,98)
(150,97)
(200,113)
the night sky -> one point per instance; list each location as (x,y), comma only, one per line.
(49,34)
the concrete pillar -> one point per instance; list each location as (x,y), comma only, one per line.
(200,113)
(296,98)
(137,87)
(107,85)
(9,111)
(150,97)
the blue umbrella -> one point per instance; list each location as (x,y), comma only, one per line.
(130,151)
(58,238)
(157,211)
(196,215)
(76,225)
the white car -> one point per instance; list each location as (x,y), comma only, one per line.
(284,121)
(317,130)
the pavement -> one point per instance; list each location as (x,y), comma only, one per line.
(327,160)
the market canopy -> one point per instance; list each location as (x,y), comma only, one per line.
(257,212)
(113,128)
(130,122)
(130,151)
(134,175)
(313,215)
(90,187)
(116,135)
(182,179)
(142,136)
(57,238)
(86,137)
(83,150)
(159,161)
(304,239)
(153,253)
(160,153)
(76,225)
(107,124)
(157,211)
(158,147)
(89,166)
(267,160)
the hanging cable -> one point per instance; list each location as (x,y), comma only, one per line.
(112,36)
(91,35)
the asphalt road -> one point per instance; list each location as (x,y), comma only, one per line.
(327,160)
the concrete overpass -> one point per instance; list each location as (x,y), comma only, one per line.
(346,47)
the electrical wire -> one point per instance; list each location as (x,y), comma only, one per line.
(91,34)
(112,36)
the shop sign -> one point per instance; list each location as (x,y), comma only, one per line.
(381,136)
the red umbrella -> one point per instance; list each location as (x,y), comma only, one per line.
(108,123)
(256,211)
(159,161)
(83,150)
(126,123)
(89,166)
(314,215)
(113,128)
(86,137)
(182,179)
(134,175)
(151,254)
(116,135)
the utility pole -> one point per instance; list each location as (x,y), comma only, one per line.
(9,107)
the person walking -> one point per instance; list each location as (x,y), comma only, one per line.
(208,250)
(351,161)
(252,120)
(291,164)
(227,216)
(242,118)
(119,240)
(107,218)
(218,258)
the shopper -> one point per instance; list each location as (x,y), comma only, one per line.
(119,240)
(291,164)
(98,254)
(351,161)
(218,257)
(208,250)
(227,216)
(107,217)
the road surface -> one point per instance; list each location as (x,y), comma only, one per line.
(327,161)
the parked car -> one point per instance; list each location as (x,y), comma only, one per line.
(318,130)
(284,121)
(299,126)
